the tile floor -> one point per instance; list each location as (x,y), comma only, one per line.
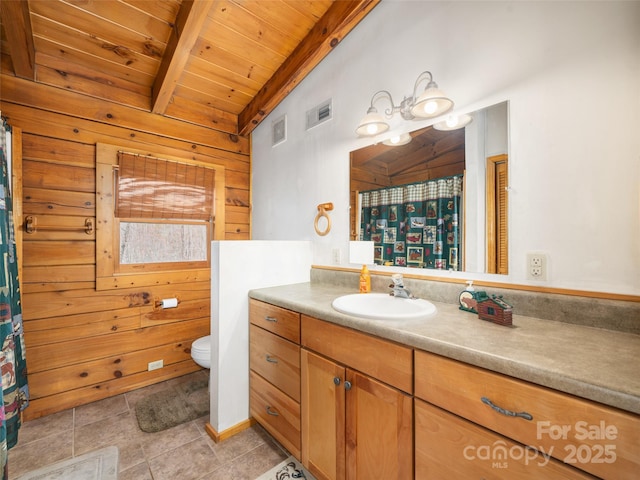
(185,452)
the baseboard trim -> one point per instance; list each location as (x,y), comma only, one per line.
(229,432)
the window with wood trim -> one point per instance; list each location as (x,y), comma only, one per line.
(155,214)
(497,214)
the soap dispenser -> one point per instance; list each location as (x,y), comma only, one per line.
(365,280)
(467,298)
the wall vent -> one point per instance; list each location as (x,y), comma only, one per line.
(319,114)
(278,130)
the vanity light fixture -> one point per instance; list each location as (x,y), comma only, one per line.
(397,140)
(453,122)
(430,103)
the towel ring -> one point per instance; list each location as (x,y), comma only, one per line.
(322,212)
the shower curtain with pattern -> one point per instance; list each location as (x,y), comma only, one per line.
(415,225)
(14,393)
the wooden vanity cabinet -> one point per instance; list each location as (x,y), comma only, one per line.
(274,377)
(355,426)
(466,412)
(342,402)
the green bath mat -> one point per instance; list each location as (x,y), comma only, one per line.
(171,407)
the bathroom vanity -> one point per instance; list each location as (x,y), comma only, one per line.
(450,396)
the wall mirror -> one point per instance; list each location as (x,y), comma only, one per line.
(467,168)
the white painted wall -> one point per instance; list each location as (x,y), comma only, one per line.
(571,72)
(236,268)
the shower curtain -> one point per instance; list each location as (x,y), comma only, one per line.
(415,225)
(14,393)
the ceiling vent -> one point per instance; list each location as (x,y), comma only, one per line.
(278,130)
(319,114)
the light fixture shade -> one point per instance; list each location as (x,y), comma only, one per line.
(372,124)
(453,122)
(431,103)
(397,140)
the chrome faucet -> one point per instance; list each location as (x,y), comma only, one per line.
(398,287)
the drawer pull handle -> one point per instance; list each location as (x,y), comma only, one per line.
(347,385)
(271,319)
(509,413)
(272,412)
(271,359)
(336,381)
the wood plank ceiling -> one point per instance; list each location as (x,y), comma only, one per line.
(224,64)
(428,148)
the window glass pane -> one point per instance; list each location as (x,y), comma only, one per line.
(162,242)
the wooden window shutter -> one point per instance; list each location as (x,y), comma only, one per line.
(149,187)
(497,225)
(502,203)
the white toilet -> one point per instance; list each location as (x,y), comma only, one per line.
(201,351)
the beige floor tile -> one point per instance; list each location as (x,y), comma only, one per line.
(137,472)
(108,431)
(39,453)
(100,410)
(250,465)
(201,424)
(188,462)
(155,444)
(58,423)
(120,430)
(240,444)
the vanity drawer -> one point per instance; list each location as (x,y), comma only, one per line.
(276,359)
(595,438)
(280,321)
(448,446)
(276,412)
(387,361)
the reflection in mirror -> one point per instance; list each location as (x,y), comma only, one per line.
(439,201)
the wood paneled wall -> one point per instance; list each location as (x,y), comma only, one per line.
(82,344)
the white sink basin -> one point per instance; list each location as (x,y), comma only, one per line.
(382,306)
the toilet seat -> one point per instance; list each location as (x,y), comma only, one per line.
(201,351)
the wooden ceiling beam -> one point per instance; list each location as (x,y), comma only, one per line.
(188,24)
(335,24)
(16,20)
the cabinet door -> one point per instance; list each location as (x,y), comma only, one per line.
(379,430)
(323,416)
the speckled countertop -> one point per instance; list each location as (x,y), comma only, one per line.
(593,363)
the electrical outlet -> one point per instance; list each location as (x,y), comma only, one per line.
(337,256)
(536,266)
(156,365)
